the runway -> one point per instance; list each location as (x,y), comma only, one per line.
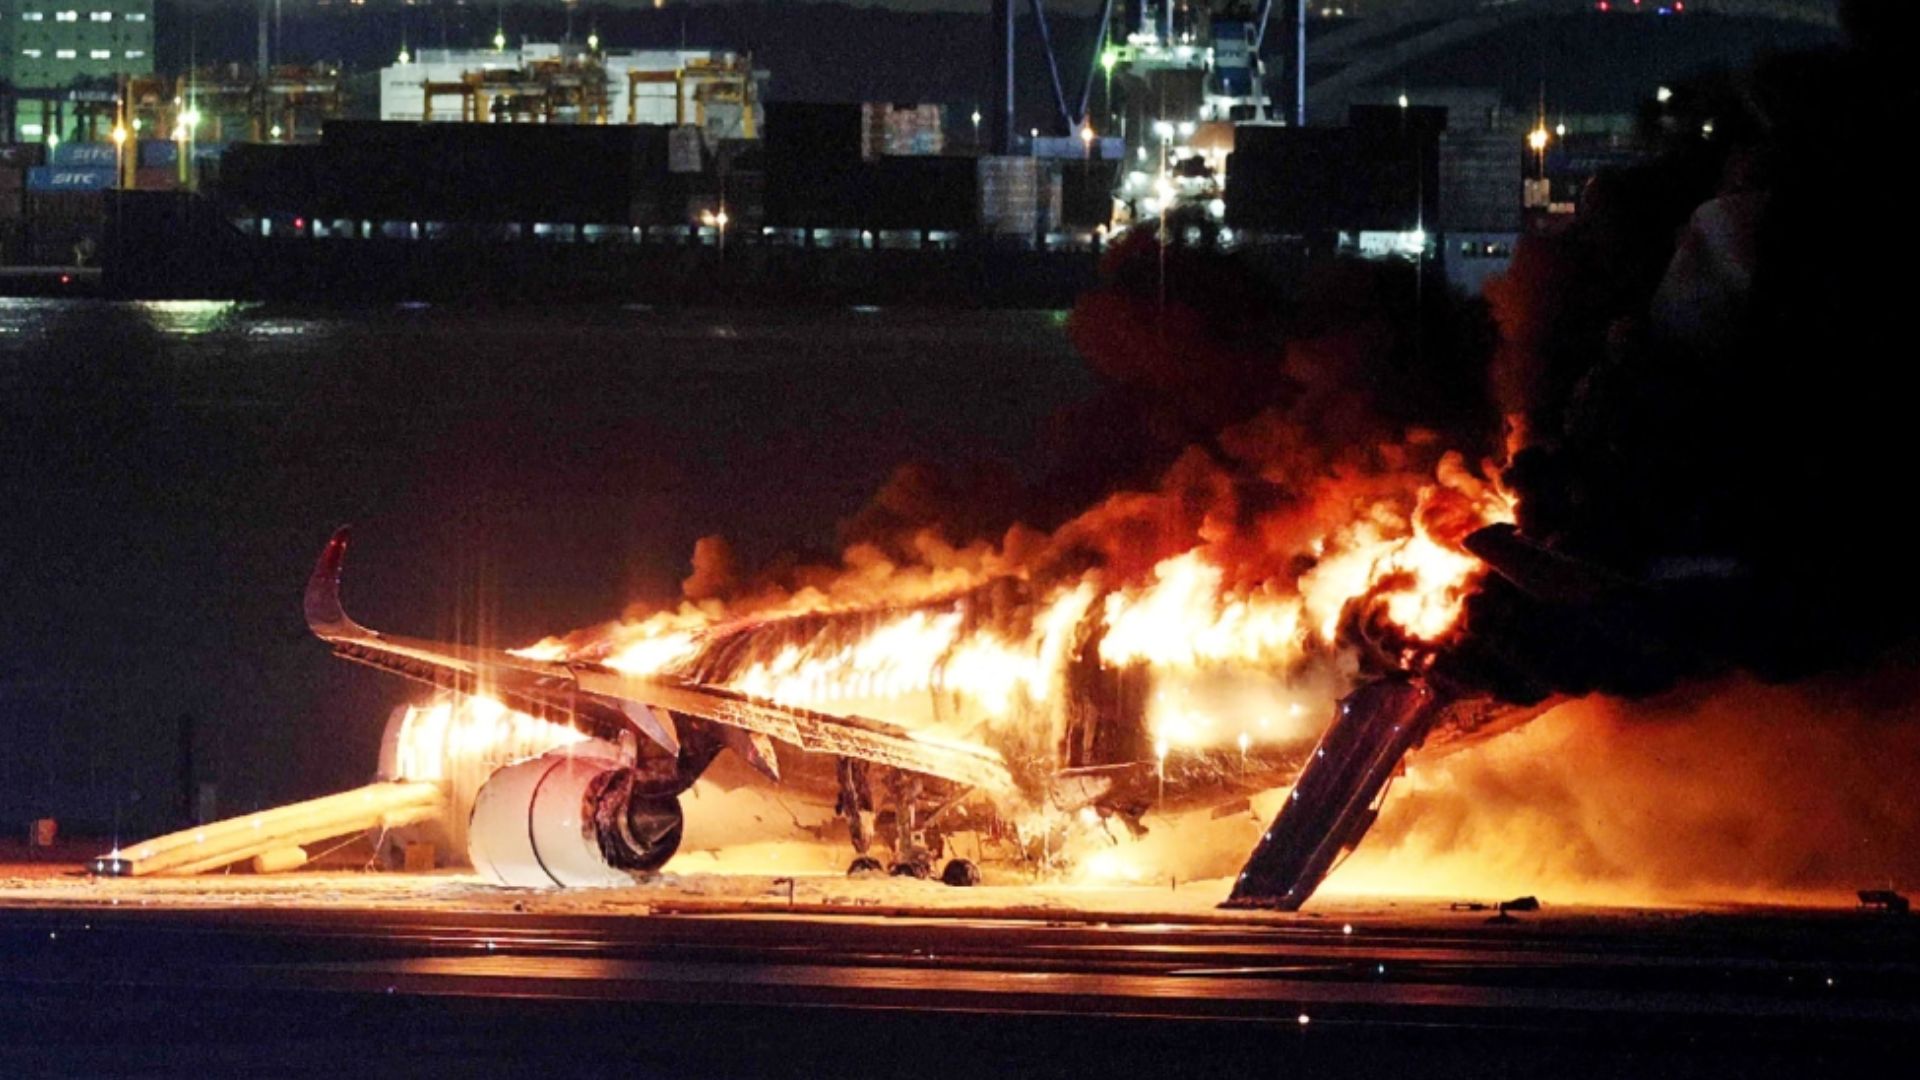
(106,991)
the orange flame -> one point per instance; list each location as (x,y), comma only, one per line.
(1230,660)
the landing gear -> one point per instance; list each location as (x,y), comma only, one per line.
(914,846)
(899,826)
(910,854)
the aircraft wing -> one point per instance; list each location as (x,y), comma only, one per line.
(643,702)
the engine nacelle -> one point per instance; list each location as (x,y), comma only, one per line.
(571,820)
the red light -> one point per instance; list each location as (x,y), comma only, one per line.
(299,223)
(1679,5)
(1604,6)
(66,279)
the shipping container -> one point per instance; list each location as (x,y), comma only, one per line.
(684,149)
(902,130)
(157,178)
(1019,196)
(22,155)
(924,193)
(500,173)
(813,132)
(84,154)
(70,178)
(156,153)
(1074,148)
(1086,193)
(1481,181)
(1318,180)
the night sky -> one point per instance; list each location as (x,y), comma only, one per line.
(837,52)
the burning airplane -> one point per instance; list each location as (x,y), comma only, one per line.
(1009,705)
(1622,506)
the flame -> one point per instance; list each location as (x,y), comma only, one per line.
(1231,659)
(450,737)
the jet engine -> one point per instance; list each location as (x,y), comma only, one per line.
(571,819)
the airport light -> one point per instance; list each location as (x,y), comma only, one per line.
(1538,140)
(1405,101)
(53,141)
(275,132)
(499,40)
(1663,95)
(717,221)
(119,137)
(405,56)
(593,41)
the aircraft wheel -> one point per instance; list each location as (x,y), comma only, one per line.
(864,864)
(961,873)
(913,868)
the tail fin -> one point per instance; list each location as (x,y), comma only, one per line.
(325,617)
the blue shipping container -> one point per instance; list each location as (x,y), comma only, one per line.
(75,178)
(84,154)
(155,153)
(1107,148)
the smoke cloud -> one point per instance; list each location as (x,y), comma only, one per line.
(1730,790)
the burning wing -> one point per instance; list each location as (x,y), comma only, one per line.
(599,699)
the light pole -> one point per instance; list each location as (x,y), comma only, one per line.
(183,131)
(1107,60)
(717,221)
(120,155)
(1166,191)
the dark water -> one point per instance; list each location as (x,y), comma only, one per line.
(169,471)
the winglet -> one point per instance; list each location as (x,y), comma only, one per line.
(325,617)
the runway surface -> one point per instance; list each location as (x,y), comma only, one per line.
(108,991)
